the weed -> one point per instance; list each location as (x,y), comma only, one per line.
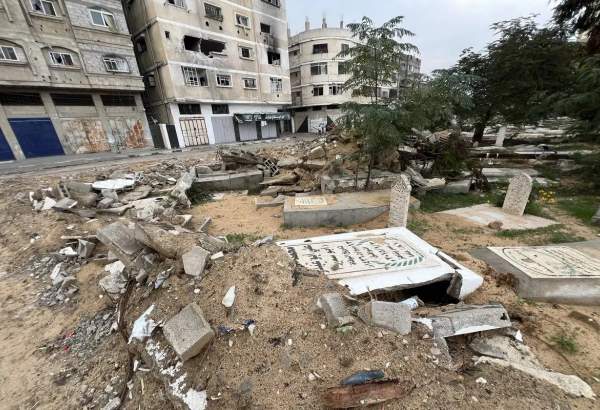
(580,207)
(197,196)
(566,343)
(418,226)
(241,239)
(554,234)
(436,201)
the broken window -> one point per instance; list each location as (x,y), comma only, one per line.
(265,28)
(223,80)
(275,3)
(195,77)
(343,68)
(209,47)
(8,53)
(335,89)
(44,7)
(295,77)
(190,109)
(246,52)
(74,100)
(318,69)
(191,43)
(320,49)
(140,44)
(318,91)
(220,109)
(213,12)
(295,52)
(64,59)
(273,58)
(177,3)
(150,80)
(21,99)
(118,100)
(102,18)
(345,47)
(249,83)
(116,64)
(276,85)
(242,20)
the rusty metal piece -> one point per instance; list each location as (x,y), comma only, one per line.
(348,397)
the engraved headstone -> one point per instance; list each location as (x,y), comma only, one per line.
(517,195)
(400,202)
(500,137)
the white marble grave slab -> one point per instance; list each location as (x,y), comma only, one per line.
(310,201)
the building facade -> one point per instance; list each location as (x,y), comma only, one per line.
(69,82)
(216,71)
(317,75)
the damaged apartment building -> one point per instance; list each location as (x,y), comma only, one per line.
(215,71)
(69,80)
(318,73)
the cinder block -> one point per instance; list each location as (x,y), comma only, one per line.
(188,332)
(391,316)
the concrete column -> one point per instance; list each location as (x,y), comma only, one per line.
(101,114)
(56,122)
(10,136)
(165,136)
(174,112)
(141,111)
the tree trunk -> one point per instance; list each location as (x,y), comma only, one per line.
(371,162)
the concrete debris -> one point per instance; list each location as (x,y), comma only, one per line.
(239,181)
(264,241)
(143,326)
(195,260)
(203,170)
(457,187)
(229,298)
(283,179)
(169,244)
(313,165)
(105,203)
(289,163)
(110,193)
(45,205)
(317,153)
(395,317)
(68,251)
(114,184)
(466,319)
(204,225)
(65,204)
(140,192)
(115,283)
(270,203)
(334,306)
(113,404)
(85,249)
(121,241)
(217,256)
(502,351)
(180,191)
(182,220)
(413,303)
(188,332)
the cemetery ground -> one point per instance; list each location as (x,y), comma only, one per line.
(63,355)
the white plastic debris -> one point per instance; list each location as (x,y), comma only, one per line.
(143,326)
(229,298)
(116,184)
(68,251)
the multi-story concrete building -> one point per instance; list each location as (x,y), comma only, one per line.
(317,76)
(69,82)
(216,71)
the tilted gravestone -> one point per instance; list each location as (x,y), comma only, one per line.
(518,194)
(400,202)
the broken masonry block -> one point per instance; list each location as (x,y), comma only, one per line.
(85,249)
(335,310)
(121,241)
(195,260)
(105,203)
(188,332)
(467,319)
(395,317)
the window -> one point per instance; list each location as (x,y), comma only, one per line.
(343,68)
(220,109)
(8,53)
(118,100)
(76,100)
(150,80)
(195,77)
(191,43)
(210,47)
(177,3)
(275,3)
(140,45)
(320,49)
(249,83)
(102,18)
(20,99)
(64,59)
(345,47)
(273,58)
(265,28)
(335,89)
(246,52)
(294,53)
(223,80)
(243,21)
(44,7)
(276,85)
(167,34)
(318,69)
(190,109)
(116,64)
(213,12)
(318,91)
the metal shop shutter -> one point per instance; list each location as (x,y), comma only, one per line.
(5,151)
(223,130)
(36,137)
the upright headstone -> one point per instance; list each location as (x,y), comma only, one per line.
(517,195)
(501,136)
(596,218)
(400,202)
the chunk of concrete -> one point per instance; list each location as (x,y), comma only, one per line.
(121,241)
(466,319)
(110,193)
(166,244)
(270,203)
(289,163)
(76,187)
(88,199)
(195,260)
(395,317)
(203,170)
(229,182)
(184,183)
(313,165)
(457,187)
(317,153)
(335,310)
(116,184)
(137,194)
(65,204)
(188,332)
(105,203)
(85,249)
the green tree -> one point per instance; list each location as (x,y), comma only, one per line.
(581,17)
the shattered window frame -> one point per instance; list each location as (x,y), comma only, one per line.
(194,76)
(102,18)
(8,53)
(276,85)
(250,80)
(224,80)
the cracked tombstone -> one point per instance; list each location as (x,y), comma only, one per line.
(400,202)
(335,310)
(395,317)
(518,194)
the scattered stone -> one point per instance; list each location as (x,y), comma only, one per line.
(317,153)
(121,241)
(114,283)
(166,244)
(229,299)
(335,310)
(183,185)
(270,203)
(391,316)
(264,241)
(141,277)
(68,251)
(203,170)
(204,225)
(110,193)
(85,249)
(194,261)
(137,194)
(188,332)
(496,225)
(217,256)
(289,163)
(114,404)
(182,220)
(105,203)
(313,165)
(65,204)
(518,194)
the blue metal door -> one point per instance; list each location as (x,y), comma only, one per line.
(5,151)
(36,137)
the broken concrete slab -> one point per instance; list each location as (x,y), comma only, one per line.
(289,163)
(395,317)
(504,174)
(105,203)
(283,179)
(334,306)
(203,170)
(121,241)
(169,244)
(116,282)
(313,165)
(457,187)
(485,214)
(188,332)
(569,273)
(335,210)
(382,260)
(337,184)
(183,185)
(85,249)
(88,199)
(118,184)
(281,189)
(240,181)
(466,319)
(65,204)
(140,192)
(270,203)
(317,153)
(76,187)
(195,260)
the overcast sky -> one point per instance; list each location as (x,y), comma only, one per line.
(443,28)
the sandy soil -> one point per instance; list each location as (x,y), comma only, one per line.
(39,370)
